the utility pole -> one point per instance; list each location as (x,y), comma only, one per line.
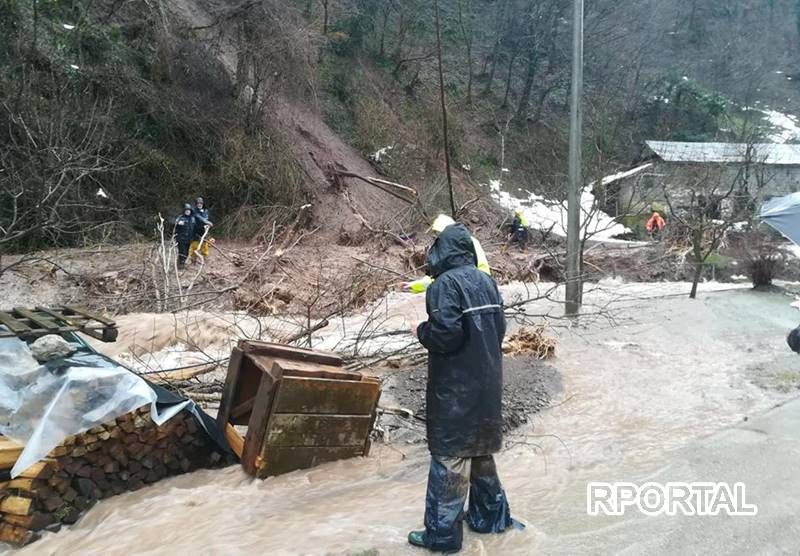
(444,115)
(574,278)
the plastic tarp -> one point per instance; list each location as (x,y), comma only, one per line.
(40,405)
(783,214)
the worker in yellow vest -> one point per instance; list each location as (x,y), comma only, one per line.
(519,229)
(439,224)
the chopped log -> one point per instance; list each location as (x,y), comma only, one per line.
(16,505)
(52,503)
(34,522)
(25,484)
(101,462)
(9,453)
(16,535)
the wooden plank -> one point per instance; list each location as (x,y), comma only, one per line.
(9,453)
(88,315)
(314,370)
(235,440)
(43,322)
(16,535)
(290,352)
(183,374)
(71,321)
(325,396)
(257,426)
(16,505)
(229,390)
(13,324)
(243,409)
(292,430)
(282,460)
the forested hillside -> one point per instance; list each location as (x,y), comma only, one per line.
(113,111)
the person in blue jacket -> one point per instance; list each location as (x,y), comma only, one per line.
(463,335)
(184,233)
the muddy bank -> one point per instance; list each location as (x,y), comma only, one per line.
(529,386)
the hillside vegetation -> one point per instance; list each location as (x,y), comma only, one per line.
(113,111)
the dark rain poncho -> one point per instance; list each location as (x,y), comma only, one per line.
(463,335)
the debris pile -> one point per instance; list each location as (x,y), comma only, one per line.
(530,341)
(121,455)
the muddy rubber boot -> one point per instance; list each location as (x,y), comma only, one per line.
(417,538)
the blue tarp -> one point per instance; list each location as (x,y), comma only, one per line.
(783,214)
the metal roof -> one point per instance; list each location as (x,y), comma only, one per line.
(730,153)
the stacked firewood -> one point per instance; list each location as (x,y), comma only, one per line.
(116,457)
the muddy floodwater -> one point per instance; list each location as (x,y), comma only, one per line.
(661,372)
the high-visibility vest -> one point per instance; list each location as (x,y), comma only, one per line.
(521,217)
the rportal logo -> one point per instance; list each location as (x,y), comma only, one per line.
(697,499)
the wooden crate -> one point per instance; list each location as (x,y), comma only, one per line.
(300,406)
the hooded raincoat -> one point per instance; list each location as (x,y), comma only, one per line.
(463,334)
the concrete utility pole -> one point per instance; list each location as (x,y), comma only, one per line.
(574,278)
(444,114)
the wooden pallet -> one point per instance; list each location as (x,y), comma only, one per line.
(29,324)
(300,406)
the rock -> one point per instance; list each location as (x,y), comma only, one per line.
(51,347)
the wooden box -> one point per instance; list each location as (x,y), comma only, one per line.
(300,406)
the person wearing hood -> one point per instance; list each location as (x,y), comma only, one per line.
(439,225)
(463,335)
(519,228)
(184,233)
(202,223)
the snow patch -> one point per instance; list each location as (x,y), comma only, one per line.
(547,215)
(101,193)
(380,153)
(785,125)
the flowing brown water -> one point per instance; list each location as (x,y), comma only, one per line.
(672,371)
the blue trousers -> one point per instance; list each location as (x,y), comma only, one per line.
(450,481)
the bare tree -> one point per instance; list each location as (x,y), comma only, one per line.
(51,170)
(465,26)
(708,199)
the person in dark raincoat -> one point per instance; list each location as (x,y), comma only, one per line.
(200,241)
(463,336)
(184,233)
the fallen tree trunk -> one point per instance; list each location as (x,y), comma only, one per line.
(399,191)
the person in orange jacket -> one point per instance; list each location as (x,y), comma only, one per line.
(655,225)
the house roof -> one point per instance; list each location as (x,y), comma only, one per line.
(731,153)
(625,174)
